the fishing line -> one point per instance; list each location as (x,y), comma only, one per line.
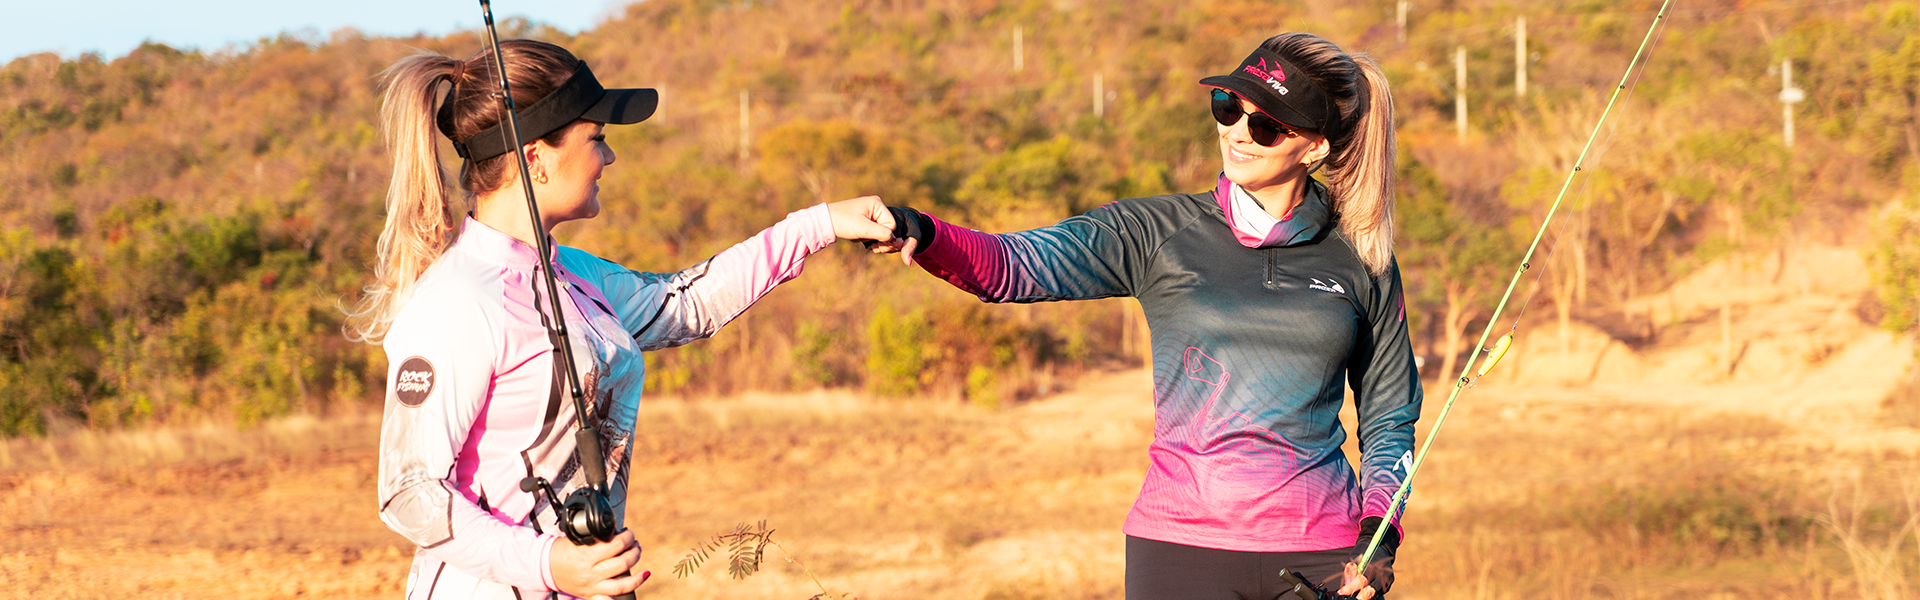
(1553,248)
(1463,381)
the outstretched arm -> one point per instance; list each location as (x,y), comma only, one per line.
(1100,254)
(663,310)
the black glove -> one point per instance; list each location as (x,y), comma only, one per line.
(909,224)
(1380,571)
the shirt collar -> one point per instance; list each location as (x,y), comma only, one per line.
(1303,223)
(478,238)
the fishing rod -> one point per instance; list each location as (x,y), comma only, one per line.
(586,517)
(1500,349)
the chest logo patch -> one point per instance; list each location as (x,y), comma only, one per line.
(414,382)
(1327,286)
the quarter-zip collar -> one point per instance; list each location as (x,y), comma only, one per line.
(1301,225)
(494,244)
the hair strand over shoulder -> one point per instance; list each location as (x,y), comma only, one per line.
(1360,167)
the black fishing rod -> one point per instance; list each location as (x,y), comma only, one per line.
(586,517)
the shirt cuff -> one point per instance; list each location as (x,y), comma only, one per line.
(546,561)
(815,225)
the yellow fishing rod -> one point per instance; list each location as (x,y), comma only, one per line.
(1505,344)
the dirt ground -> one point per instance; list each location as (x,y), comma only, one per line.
(901,499)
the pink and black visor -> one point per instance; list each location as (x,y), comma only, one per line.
(580,97)
(1281,91)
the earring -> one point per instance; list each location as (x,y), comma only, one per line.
(541,178)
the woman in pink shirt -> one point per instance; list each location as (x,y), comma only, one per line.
(475,401)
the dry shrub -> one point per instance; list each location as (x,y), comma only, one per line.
(1875,538)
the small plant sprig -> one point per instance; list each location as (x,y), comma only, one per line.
(746,546)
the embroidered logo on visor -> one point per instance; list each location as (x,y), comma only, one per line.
(1272,75)
(414,382)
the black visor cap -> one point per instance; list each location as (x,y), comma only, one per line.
(580,97)
(1280,90)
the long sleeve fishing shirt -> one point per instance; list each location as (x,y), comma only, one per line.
(1256,336)
(476,400)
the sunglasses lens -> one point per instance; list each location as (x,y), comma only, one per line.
(1263,129)
(1226,108)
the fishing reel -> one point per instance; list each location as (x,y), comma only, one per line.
(586,517)
(1306,590)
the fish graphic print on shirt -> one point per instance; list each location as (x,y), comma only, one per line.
(1243,457)
(611,372)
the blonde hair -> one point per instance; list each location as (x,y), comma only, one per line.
(1360,163)
(423,212)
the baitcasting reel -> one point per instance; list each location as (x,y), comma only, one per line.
(586,517)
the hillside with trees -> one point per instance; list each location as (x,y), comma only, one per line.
(181,227)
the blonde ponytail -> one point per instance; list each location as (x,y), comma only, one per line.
(421,222)
(1360,168)
(1361,177)
(423,209)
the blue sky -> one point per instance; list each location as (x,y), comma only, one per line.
(114,27)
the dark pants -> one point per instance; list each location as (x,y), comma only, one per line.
(1166,571)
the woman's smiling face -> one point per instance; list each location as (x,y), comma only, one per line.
(1254,166)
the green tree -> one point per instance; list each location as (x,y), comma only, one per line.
(834,160)
(1894,260)
(1038,183)
(896,351)
(47,354)
(1454,263)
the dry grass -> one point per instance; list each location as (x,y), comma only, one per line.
(1568,495)
(1879,565)
(280,511)
(1771,483)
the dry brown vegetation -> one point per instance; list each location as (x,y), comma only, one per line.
(1704,403)
(156,204)
(1781,479)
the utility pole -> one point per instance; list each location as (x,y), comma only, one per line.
(1402,20)
(746,139)
(1099,98)
(1460,92)
(1520,57)
(1019,60)
(1789,96)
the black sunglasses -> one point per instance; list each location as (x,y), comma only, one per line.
(1264,130)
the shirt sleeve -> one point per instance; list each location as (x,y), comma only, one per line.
(662,310)
(440,371)
(1387,396)
(1100,254)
